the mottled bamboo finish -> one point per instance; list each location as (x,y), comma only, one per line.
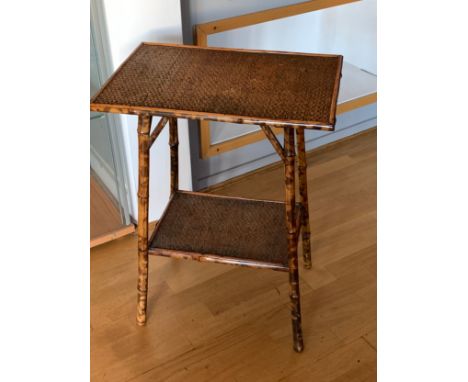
(303,199)
(210,258)
(174,146)
(158,129)
(274,141)
(144,143)
(200,116)
(294,293)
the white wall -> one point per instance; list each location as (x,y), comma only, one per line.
(129,23)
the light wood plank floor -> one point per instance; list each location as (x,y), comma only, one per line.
(213,322)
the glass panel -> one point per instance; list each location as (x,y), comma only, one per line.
(224,131)
(109,206)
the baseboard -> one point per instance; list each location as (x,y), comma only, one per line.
(112,235)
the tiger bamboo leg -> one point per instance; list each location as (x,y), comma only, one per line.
(292,239)
(144,126)
(174,145)
(302,170)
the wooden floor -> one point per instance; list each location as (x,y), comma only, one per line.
(213,322)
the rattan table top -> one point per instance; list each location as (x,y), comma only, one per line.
(241,86)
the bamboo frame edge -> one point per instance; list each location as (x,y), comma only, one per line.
(211,258)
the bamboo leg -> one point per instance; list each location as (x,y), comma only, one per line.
(302,170)
(274,141)
(174,145)
(144,126)
(292,240)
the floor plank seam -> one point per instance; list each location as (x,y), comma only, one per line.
(368,343)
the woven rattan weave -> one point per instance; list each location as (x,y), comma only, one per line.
(229,227)
(295,88)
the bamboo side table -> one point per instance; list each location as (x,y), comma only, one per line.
(293,91)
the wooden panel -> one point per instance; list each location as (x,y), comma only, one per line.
(267,15)
(357,103)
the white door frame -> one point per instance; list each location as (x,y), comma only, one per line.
(105,69)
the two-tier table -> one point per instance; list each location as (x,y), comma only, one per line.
(292,91)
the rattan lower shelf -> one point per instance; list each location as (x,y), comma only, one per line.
(223,230)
